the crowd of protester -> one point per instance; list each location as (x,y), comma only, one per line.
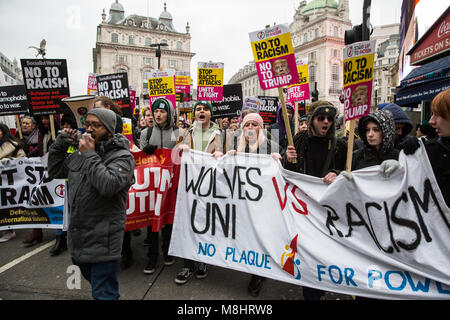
(96,237)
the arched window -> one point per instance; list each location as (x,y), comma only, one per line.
(115,38)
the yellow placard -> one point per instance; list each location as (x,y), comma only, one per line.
(161,86)
(273,47)
(210,77)
(358,69)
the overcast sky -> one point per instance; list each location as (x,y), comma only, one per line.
(219,29)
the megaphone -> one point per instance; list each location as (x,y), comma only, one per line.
(80,105)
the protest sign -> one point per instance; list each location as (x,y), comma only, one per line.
(115,86)
(251,103)
(46,83)
(299,91)
(28,197)
(210,81)
(231,104)
(13,100)
(268,109)
(274,56)
(358,75)
(151,199)
(161,84)
(92,84)
(374,237)
(182,85)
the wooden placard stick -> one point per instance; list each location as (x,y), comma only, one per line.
(351,139)
(18,126)
(287,125)
(52,127)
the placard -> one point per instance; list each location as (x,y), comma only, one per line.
(161,84)
(300,91)
(358,76)
(231,104)
(47,83)
(274,56)
(210,81)
(115,86)
(13,100)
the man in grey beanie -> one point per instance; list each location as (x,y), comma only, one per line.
(99,176)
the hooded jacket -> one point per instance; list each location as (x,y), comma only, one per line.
(97,191)
(400,116)
(316,156)
(367,155)
(161,136)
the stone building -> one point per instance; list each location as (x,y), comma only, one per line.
(124,45)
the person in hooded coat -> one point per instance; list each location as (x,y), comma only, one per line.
(163,134)
(403,125)
(377,131)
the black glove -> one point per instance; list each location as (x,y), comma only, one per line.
(150,149)
(410,145)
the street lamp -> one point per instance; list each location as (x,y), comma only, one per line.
(158,51)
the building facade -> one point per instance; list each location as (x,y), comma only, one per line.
(10,75)
(317,33)
(124,45)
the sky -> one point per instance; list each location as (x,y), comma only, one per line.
(219,29)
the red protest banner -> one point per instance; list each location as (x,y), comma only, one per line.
(151,199)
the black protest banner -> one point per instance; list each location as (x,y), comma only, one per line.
(231,104)
(46,83)
(268,109)
(13,100)
(115,86)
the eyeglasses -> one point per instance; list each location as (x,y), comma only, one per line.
(322,118)
(94,125)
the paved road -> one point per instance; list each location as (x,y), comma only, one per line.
(32,274)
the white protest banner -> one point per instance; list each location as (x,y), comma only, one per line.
(376,237)
(28,198)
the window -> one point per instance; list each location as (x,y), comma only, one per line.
(305,37)
(312,75)
(131,40)
(115,38)
(317,33)
(122,70)
(164,41)
(172,63)
(335,79)
(121,59)
(148,42)
(336,31)
(392,60)
(147,61)
(179,45)
(312,56)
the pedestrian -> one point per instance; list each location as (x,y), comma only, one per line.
(277,130)
(67,121)
(254,140)
(204,135)
(318,153)
(303,123)
(377,131)
(438,149)
(110,104)
(99,176)
(10,148)
(403,125)
(425,131)
(45,140)
(29,133)
(163,134)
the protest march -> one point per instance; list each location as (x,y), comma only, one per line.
(306,167)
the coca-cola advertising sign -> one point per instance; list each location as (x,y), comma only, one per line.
(435,41)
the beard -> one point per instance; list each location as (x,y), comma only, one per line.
(101,137)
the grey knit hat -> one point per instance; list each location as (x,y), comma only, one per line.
(107,117)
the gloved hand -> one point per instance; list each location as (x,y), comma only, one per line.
(347,175)
(150,149)
(387,167)
(410,145)
(5,161)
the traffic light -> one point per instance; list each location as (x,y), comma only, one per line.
(356,34)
